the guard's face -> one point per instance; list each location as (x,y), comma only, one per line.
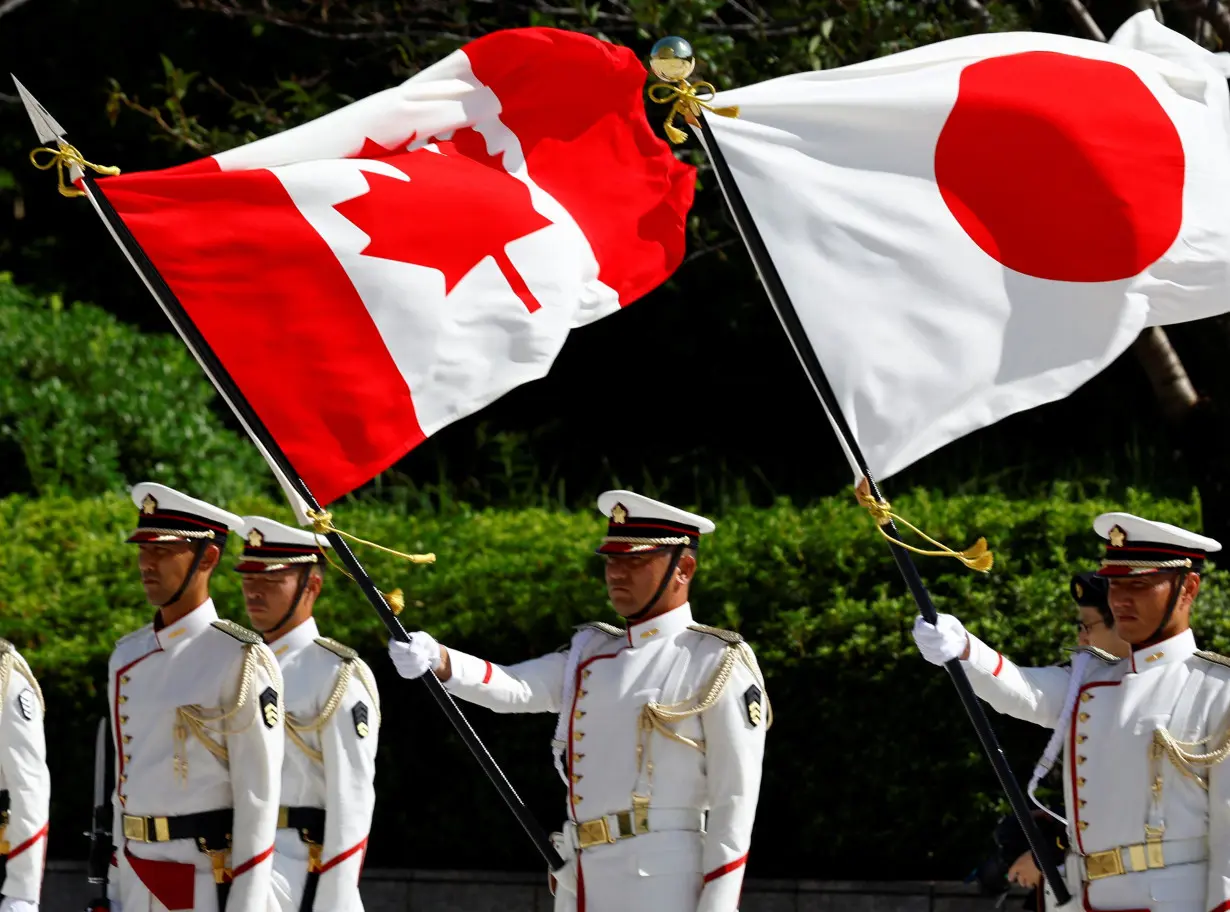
(1139,604)
(164,565)
(632,579)
(267,596)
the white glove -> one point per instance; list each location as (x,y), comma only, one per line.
(416,658)
(17,905)
(943,642)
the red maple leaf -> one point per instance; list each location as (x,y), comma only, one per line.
(424,220)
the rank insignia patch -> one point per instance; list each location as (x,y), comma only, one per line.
(269,707)
(360,719)
(752,697)
(25,703)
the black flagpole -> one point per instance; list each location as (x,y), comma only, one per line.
(230,391)
(793,326)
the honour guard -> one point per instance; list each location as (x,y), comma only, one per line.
(25,786)
(332,724)
(1148,798)
(196,705)
(660,731)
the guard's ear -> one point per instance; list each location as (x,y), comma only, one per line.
(686,569)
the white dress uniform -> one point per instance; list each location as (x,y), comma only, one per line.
(332,727)
(660,740)
(196,714)
(1147,795)
(25,786)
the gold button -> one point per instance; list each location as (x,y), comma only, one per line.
(577,777)
(1084,824)
(1086,697)
(1081,760)
(578,735)
(1084,717)
(586,674)
(577,758)
(583,693)
(1083,802)
(577,798)
(123,699)
(128,758)
(578,714)
(124,777)
(125,679)
(1081,782)
(1081,739)
(127,738)
(124,719)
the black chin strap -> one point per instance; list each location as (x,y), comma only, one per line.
(1174,602)
(676,556)
(196,565)
(304,576)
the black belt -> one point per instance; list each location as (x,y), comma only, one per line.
(211,830)
(310,823)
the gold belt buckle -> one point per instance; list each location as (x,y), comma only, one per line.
(593,832)
(135,829)
(1103,864)
(283,817)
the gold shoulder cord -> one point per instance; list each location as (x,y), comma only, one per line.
(204,724)
(8,662)
(296,729)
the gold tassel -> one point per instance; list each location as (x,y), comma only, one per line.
(976,556)
(686,99)
(322,523)
(68,156)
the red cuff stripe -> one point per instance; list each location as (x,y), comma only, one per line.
(999,667)
(1223,907)
(13,853)
(338,859)
(726,868)
(252,862)
(487,676)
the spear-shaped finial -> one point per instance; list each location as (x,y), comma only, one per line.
(673,61)
(48,129)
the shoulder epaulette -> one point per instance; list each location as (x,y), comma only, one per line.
(608,629)
(345,653)
(726,636)
(243,634)
(1214,657)
(1108,657)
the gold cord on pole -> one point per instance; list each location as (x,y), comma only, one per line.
(322,524)
(975,557)
(67,157)
(672,61)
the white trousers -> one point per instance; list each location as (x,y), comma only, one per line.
(656,872)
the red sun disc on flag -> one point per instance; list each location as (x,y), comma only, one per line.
(1062,167)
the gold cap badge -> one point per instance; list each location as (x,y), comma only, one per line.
(619,514)
(149,505)
(1117,537)
(255,539)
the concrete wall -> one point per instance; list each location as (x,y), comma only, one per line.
(65,890)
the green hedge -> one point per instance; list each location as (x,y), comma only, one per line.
(871,771)
(89,404)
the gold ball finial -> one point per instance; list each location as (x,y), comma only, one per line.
(671,59)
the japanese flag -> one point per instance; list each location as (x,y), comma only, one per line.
(375,274)
(979,226)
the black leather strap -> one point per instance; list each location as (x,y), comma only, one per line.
(308,821)
(208,829)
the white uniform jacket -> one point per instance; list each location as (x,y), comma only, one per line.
(23,775)
(661,731)
(333,723)
(1134,786)
(196,713)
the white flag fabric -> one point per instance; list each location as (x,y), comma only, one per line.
(976,227)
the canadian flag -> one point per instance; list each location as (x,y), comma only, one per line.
(978,226)
(375,274)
